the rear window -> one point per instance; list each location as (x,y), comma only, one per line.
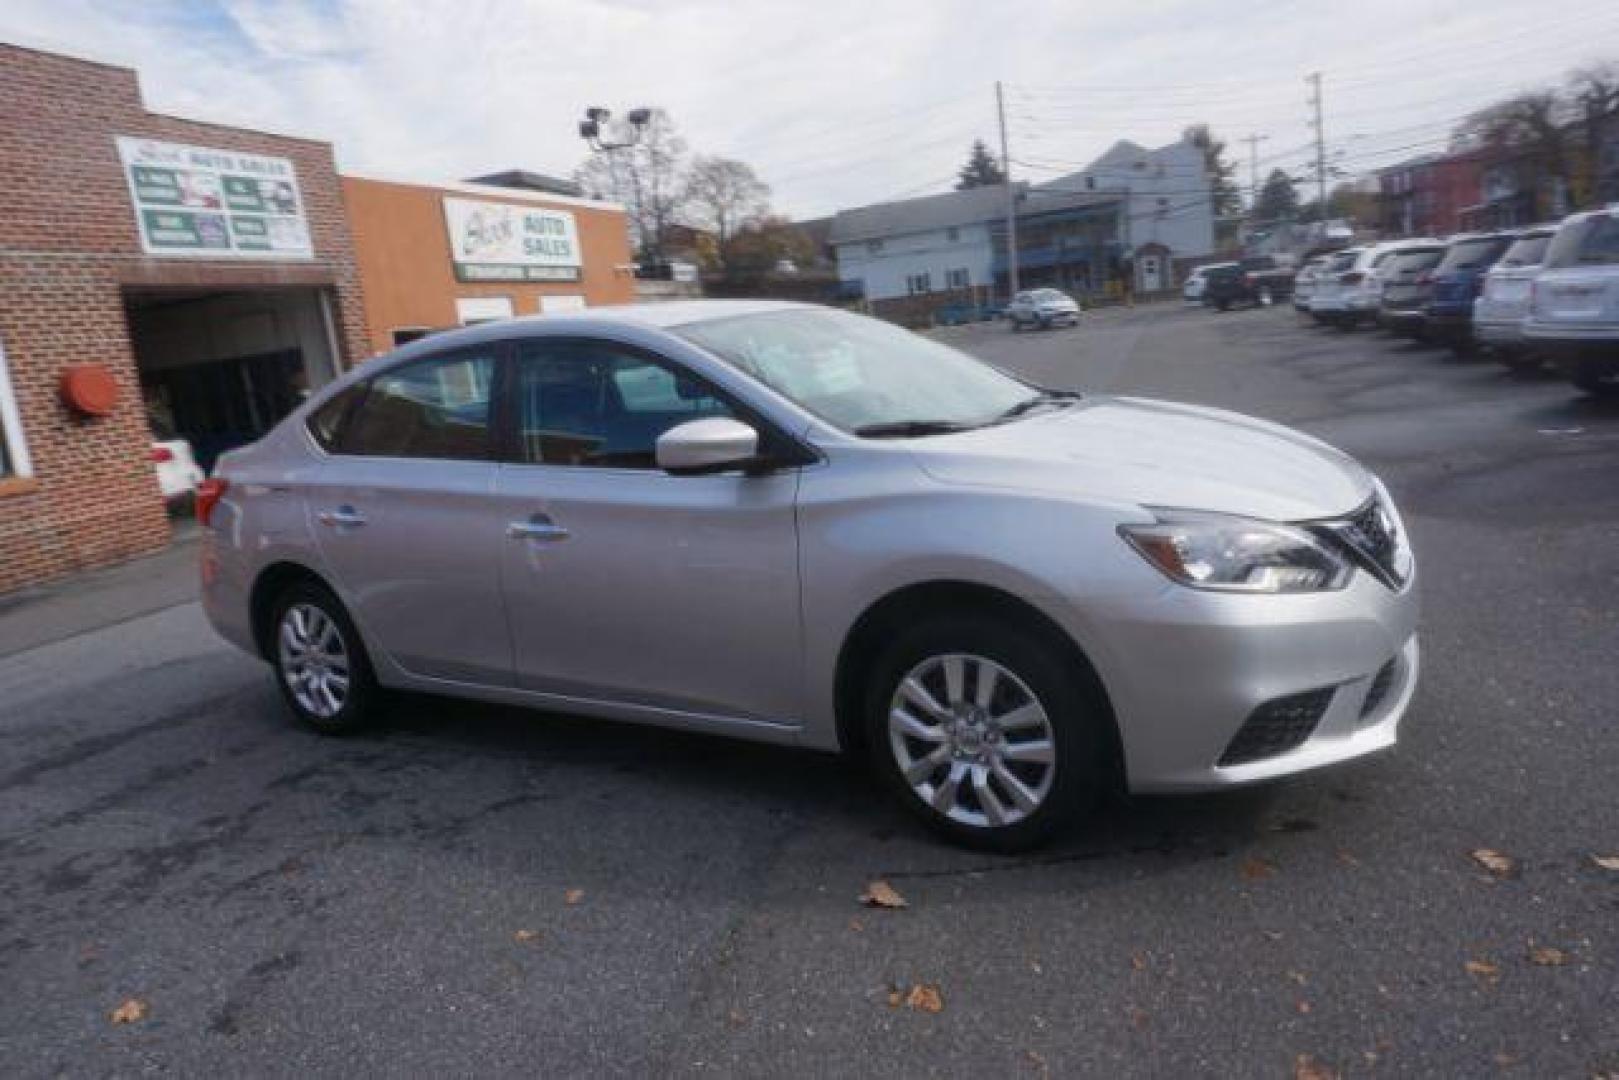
(1527,250)
(1473,254)
(1342,262)
(1592,242)
(1423,259)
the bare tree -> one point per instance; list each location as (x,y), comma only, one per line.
(647,177)
(1594,92)
(725,195)
(1529,135)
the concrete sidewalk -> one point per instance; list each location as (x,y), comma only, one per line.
(43,614)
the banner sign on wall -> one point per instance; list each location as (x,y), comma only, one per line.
(191,200)
(492,241)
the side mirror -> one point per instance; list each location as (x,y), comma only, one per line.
(715,444)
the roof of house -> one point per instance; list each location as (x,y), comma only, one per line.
(925,214)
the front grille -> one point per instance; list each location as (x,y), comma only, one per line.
(1382,682)
(1278,726)
(1370,537)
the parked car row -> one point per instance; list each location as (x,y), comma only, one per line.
(1549,293)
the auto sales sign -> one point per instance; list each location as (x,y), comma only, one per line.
(491,241)
(216,204)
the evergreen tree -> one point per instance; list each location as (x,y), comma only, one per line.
(981,170)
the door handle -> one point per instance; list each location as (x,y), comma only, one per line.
(344,517)
(538,527)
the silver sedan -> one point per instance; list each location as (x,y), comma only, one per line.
(793,524)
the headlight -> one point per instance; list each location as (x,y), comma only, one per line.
(1232,554)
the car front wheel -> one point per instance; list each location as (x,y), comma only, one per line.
(320,663)
(986,732)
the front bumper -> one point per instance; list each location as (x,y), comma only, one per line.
(1188,672)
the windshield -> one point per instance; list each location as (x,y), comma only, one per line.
(1049,294)
(1473,254)
(1583,243)
(860,373)
(1527,250)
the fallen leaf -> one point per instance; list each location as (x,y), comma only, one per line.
(1347,858)
(1607,862)
(925,998)
(1483,969)
(523,937)
(1303,1007)
(1034,966)
(1502,866)
(1255,868)
(736,1018)
(882,894)
(1273,935)
(1299,977)
(1139,962)
(895,998)
(856,925)
(1306,1067)
(131,1011)
(1038,1060)
(1546,956)
(1139,1018)
(573,896)
(1505,1059)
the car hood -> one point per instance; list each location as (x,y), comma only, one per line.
(1155,453)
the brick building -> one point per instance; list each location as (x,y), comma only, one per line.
(207,270)
(1430,195)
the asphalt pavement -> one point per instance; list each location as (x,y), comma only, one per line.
(477,890)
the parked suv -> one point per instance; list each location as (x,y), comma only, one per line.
(1499,311)
(799,525)
(1574,302)
(1457,282)
(1304,282)
(1258,279)
(1407,281)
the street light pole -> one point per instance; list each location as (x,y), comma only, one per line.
(1011,199)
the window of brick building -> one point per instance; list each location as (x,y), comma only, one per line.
(13,450)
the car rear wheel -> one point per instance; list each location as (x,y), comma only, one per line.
(986,732)
(320,663)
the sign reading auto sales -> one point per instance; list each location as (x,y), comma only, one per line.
(492,241)
(220,204)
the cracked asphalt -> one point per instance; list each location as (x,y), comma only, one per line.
(399,904)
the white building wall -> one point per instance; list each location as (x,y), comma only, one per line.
(884,272)
(1169,198)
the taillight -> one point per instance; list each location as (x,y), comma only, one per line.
(161,454)
(1354,277)
(209,492)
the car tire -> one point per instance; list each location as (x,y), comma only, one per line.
(966,769)
(1597,379)
(320,662)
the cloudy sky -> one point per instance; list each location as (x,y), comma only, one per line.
(834,102)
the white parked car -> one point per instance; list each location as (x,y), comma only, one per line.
(1574,301)
(1304,282)
(1197,280)
(1043,308)
(178,474)
(1349,293)
(1499,311)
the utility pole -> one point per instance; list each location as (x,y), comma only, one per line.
(1011,198)
(1253,142)
(1320,146)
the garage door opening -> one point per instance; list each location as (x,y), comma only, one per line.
(219,368)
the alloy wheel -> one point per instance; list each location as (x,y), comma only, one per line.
(314,660)
(972,741)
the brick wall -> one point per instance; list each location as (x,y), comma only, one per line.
(68,244)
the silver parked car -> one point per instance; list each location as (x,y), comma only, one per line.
(1042,308)
(794,524)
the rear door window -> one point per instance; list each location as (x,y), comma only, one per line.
(1527,250)
(433,408)
(1592,242)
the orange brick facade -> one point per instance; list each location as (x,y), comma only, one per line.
(402,246)
(68,246)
